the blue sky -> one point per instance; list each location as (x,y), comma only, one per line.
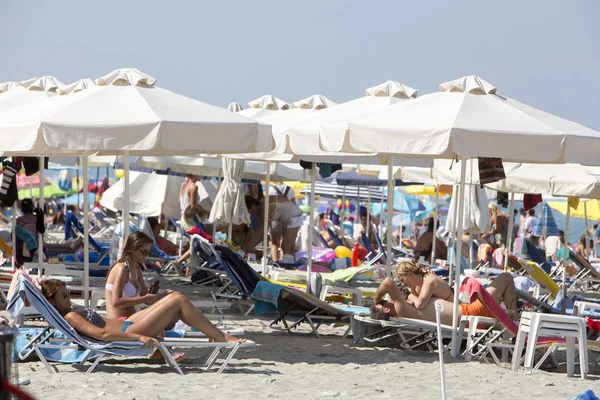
(543,53)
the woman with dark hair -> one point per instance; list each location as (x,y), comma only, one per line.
(424,246)
(33,221)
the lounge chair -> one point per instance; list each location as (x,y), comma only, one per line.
(550,344)
(26,290)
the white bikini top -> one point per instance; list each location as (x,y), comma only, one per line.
(129,290)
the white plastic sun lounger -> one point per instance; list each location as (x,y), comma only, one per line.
(26,290)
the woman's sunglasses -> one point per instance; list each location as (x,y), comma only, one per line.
(65,294)
(145,253)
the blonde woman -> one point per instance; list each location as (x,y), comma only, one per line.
(425,288)
(499,224)
(422,284)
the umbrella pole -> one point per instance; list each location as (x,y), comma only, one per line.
(86,234)
(390,215)
(587,241)
(461,201)
(265,240)
(214,234)
(563,307)
(343,208)
(14,235)
(544,228)
(451,249)
(358,206)
(369,213)
(381,215)
(31,187)
(125,196)
(40,249)
(435,224)
(511,215)
(311,223)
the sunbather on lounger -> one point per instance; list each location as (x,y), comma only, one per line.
(142,326)
(420,303)
(125,286)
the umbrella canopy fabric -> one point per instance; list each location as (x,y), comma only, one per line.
(127,112)
(305,134)
(423,190)
(547,179)
(468,118)
(6,86)
(234,107)
(476,218)
(211,166)
(335,191)
(353,178)
(403,203)
(153,194)
(77,199)
(77,86)
(229,205)
(315,102)
(265,105)
(14,95)
(24,181)
(591,206)
(51,190)
(549,221)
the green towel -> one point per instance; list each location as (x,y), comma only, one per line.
(344,274)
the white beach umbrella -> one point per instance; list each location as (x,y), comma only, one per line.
(234,107)
(468,118)
(77,86)
(126,112)
(265,105)
(203,165)
(153,194)
(6,86)
(14,95)
(303,136)
(229,206)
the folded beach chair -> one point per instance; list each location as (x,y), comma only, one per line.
(537,256)
(242,277)
(372,256)
(99,349)
(334,237)
(303,307)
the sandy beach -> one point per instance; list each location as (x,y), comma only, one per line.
(300,366)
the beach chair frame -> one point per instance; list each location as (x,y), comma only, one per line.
(25,289)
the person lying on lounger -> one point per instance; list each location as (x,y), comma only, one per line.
(425,288)
(143,326)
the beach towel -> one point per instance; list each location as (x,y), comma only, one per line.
(66,355)
(490,170)
(344,275)
(266,297)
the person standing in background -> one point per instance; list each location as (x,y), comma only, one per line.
(531,221)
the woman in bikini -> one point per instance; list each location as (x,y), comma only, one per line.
(144,326)
(425,288)
(125,287)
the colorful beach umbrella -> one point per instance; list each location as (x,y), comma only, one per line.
(593,209)
(51,190)
(551,227)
